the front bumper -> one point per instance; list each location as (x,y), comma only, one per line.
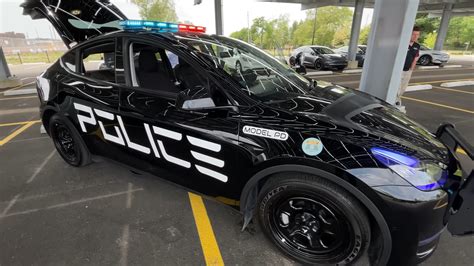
(334,64)
(416,219)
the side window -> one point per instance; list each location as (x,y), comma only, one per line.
(161,70)
(69,60)
(98,62)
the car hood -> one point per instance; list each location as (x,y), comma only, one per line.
(354,111)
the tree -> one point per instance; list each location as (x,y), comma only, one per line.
(257,29)
(329,20)
(364,35)
(161,10)
(429,40)
(428,26)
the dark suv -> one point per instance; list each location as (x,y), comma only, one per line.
(320,57)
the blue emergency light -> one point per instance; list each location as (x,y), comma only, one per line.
(160,26)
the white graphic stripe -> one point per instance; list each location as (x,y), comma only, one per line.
(207,159)
(131,144)
(204,144)
(84,119)
(211,173)
(172,159)
(167,133)
(104,114)
(118,138)
(151,140)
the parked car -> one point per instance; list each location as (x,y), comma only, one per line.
(320,57)
(331,174)
(429,56)
(360,55)
(235,59)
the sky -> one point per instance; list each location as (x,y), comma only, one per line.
(235,13)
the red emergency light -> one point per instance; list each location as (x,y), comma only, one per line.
(191,28)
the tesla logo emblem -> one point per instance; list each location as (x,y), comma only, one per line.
(119,135)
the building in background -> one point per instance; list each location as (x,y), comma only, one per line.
(13,43)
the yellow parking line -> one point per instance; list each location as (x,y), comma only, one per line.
(461,151)
(438,81)
(18,98)
(19,123)
(454,90)
(211,251)
(438,104)
(16,132)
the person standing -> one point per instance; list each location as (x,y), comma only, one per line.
(410,62)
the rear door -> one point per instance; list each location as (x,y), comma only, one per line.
(76,20)
(91,91)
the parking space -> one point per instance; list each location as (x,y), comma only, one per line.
(107,214)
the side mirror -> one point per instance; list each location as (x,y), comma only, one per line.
(313,53)
(226,54)
(190,99)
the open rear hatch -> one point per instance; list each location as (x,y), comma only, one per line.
(461,212)
(76,20)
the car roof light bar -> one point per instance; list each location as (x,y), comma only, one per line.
(160,26)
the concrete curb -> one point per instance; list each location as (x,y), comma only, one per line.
(419,87)
(19,92)
(457,83)
(37,63)
(452,66)
(428,67)
(352,71)
(10,82)
(318,73)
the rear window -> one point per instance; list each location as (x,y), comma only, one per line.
(98,62)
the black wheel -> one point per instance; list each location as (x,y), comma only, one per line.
(312,220)
(238,66)
(341,68)
(68,142)
(424,60)
(318,65)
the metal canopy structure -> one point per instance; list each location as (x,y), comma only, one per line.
(390,33)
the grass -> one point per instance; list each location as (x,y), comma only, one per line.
(33,57)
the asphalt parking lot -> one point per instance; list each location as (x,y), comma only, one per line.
(55,214)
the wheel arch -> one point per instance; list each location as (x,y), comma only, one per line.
(46,115)
(339,177)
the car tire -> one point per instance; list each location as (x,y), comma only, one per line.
(238,67)
(424,60)
(318,65)
(340,68)
(313,220)
(68,142)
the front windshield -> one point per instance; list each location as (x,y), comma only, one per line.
(260,75)
(323,50)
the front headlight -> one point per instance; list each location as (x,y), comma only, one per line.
(423,175)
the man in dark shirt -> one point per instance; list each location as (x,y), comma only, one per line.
(410,62)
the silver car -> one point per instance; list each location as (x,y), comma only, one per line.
(429,56)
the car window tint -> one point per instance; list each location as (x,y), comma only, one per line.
(162,70)
(69,60)
(98,62)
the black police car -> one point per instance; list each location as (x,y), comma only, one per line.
(331,174)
